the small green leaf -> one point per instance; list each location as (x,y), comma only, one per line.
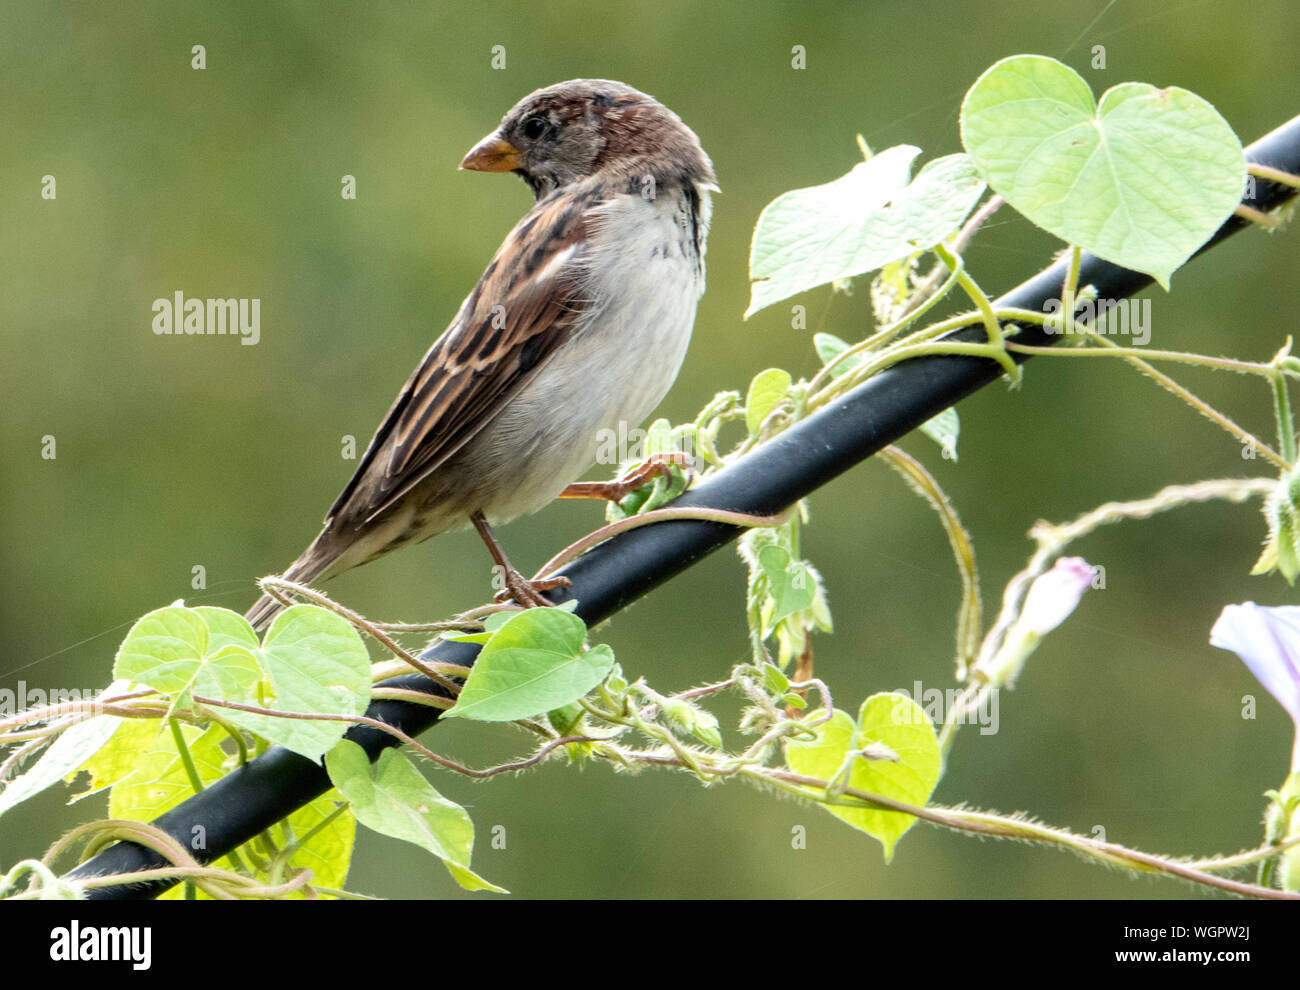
(534,663)
(1282,550)
(1286,554)
(566,718)
(768,390)
(774,679)
(658,438)
(793,586)
(829,347)
(898,723)
(1142,179)
(706,729)
(943,429)
(616,683)
(861,221)
(399,802)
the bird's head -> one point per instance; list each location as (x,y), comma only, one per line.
(572,130)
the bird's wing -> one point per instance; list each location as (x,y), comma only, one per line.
(521,312)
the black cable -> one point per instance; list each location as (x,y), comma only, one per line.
(780,472)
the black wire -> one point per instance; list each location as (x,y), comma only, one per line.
(785,469)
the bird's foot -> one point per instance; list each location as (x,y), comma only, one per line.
(529,593)
(654,466)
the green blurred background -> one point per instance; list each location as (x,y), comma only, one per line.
(177,452)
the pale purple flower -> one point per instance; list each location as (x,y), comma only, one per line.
(1054,595)
(1267,638)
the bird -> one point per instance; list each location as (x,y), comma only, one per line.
(580,322)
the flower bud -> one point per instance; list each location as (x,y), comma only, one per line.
(1054,595)
(1050,600)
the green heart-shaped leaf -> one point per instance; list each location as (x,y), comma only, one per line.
(901,725)
(863,220)
(1142,179)
(182,651)
(318,665)
(793,586)
(534,663)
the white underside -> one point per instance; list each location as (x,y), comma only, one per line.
(621,362)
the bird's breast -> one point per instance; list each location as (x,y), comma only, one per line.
(642,275)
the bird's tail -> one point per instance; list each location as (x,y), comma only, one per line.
(314,561)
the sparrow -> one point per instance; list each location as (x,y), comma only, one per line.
(580,321)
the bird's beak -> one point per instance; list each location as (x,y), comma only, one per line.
(493,154)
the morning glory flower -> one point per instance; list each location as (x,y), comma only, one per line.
(1267,638)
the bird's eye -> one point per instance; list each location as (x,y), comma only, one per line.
(534,127)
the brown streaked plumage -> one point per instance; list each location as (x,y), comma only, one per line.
(580,320)
(470,370)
